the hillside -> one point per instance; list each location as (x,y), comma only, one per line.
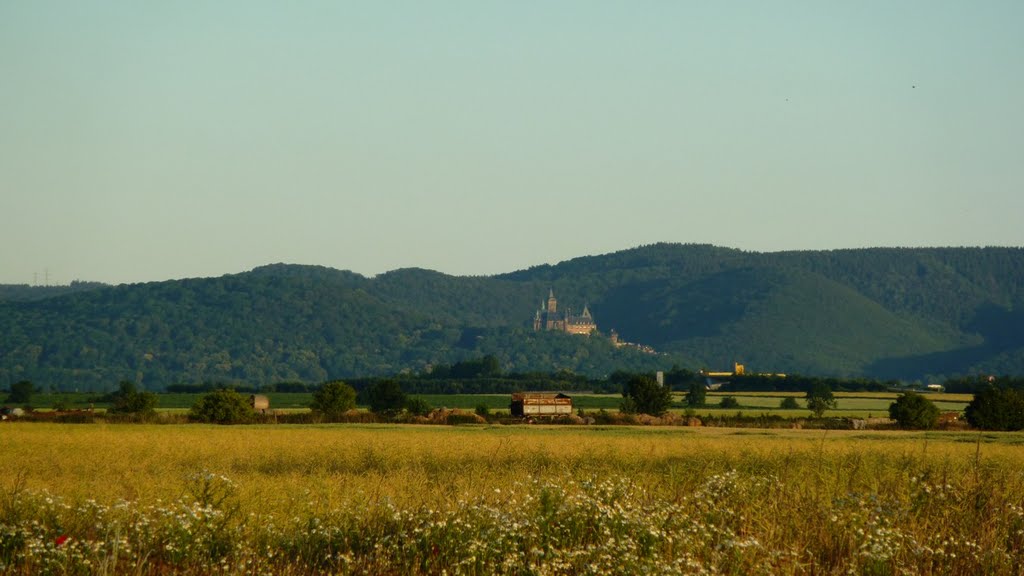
(906,313)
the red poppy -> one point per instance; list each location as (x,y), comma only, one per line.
(61,540)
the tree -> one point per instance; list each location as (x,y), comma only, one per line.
(676,377)
(996,409)
(820,398)
(697,395)
(417,406)
(914,411)
(289,387)
(128,400)
(385,397)
(729,402)
(222,407)
(490,366)
(646,396)
(334,399)
(21,392)
(789,403)
(627,405)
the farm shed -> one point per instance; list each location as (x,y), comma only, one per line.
(540,404)
(259,403)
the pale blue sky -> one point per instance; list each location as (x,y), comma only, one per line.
(144,141)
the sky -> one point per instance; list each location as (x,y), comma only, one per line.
(146,141)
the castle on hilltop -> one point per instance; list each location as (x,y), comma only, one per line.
(549,318)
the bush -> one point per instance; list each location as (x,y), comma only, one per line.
(627,406)
(483,411)
(697,395)
(729,402)
(789,403)
(996,409)
(646,396)
(914,411)
(21,392)
(385,397)
(417,406)
(333,399)
(222,407)
(128,400)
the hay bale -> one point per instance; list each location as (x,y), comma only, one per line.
(259,403)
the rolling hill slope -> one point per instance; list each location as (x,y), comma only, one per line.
(907,313)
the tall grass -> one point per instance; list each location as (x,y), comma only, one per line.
(427,500)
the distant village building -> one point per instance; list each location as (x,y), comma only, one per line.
(550,319)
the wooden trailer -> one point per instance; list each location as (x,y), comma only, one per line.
(533,404)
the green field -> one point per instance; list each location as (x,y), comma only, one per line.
(406,499)
(849,404)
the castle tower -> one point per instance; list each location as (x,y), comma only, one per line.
(550,319)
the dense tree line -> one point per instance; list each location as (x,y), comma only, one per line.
(972,384)
(879,313)
(800,383)
(27,293)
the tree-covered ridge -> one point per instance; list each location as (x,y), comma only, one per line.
(886,312)
(276,323)
(26,292)
(906,313)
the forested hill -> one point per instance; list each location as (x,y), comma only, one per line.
(25,292)
(905,313)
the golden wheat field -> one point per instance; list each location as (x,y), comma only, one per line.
(393,499)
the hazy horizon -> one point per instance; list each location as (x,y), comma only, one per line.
(152,142)
(39,278)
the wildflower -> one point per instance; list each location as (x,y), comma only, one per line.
(60,540)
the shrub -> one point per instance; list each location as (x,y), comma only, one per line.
(333,399)
(697,395)
(21,392)
(222,407)
(627,406)
(789,403)
(912,410)
(385,397)
(996,409)
(128,400)
(647,396)
(482,410)
(417,406)
(729,402)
